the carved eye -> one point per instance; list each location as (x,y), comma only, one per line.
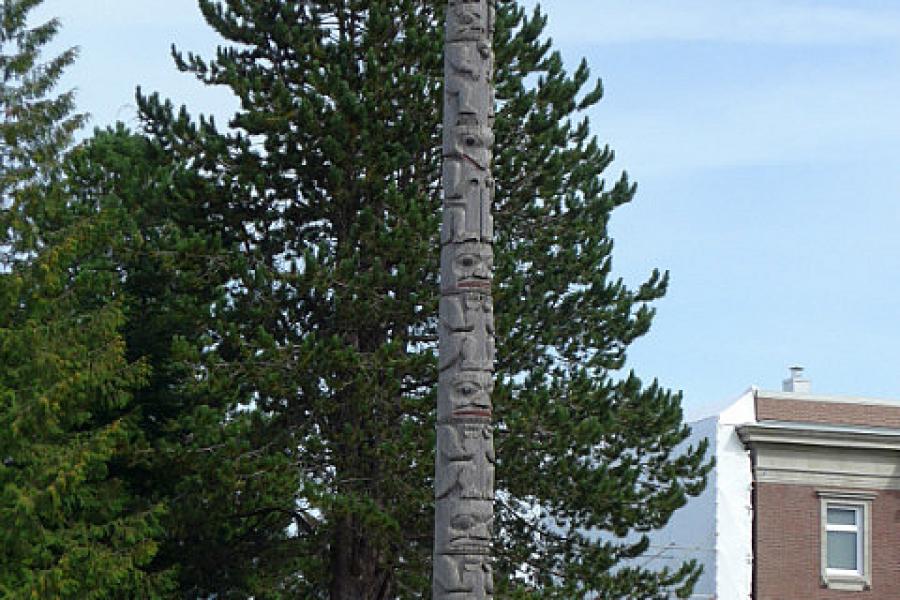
(471,140)
(468,389)
(468,260)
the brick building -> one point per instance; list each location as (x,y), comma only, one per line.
(804,502)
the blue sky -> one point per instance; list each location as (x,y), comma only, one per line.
(765,139)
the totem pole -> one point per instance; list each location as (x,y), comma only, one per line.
(464,477)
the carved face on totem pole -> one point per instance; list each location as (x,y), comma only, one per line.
(470,526)
(468,392)
(469,20)
(467,266)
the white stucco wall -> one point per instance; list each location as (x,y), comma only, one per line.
(734,516)
(716,527)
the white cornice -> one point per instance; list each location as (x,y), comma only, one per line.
(811,435)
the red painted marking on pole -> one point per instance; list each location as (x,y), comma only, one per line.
(473,413)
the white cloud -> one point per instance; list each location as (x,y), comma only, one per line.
(733,21)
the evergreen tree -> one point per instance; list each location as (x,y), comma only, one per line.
(111,275)
(326,189)
(228,505)
(69,528)
(36,127)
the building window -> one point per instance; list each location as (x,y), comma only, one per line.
(846,540)
(843,530)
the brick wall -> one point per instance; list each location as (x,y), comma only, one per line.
(788,551)
(834,413)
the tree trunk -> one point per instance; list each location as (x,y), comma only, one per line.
(357,568)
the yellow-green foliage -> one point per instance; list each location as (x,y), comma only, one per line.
(70,527)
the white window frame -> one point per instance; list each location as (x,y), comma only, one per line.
(858,531)
(845,579)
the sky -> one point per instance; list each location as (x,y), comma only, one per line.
(765,140)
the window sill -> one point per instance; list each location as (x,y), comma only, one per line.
(846,583)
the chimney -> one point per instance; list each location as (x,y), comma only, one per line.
(797,382)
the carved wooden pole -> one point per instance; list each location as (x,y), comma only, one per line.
(464,478)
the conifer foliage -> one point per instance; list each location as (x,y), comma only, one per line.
(124,473)
(325,189)
(228,499)
(69,528)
